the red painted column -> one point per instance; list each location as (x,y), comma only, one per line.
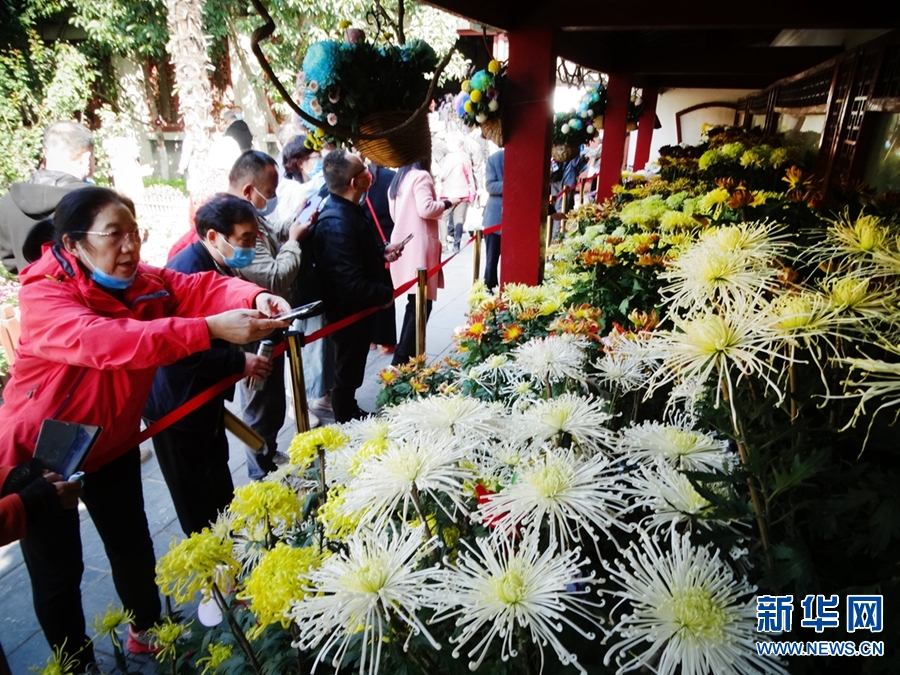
(531,77)
(612,153)
(645,127)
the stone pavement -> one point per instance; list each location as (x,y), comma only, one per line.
(20,635)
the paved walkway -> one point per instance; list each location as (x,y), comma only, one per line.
(20,634)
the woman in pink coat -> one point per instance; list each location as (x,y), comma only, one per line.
(415,209)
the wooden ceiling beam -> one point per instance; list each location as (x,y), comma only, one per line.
(776,62)
(594,15)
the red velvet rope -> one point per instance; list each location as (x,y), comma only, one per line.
(206,396)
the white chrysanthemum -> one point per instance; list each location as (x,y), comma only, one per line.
(582,418)
(727,346)
(668,495)
(354,596)
(452,415)
(684,612)
(729,262)
(499,463)
(562,489)
(500,589)
(677,444)
(423,463)
(879,380)
(495,372)
(553,358)
(621,370)
(866,243)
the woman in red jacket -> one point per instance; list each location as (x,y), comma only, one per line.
(96,324)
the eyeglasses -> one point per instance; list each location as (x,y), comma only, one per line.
(365,169)
(118,237)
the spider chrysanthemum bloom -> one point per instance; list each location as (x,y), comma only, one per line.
(729,262)
(669,496)
(867,242)
(622,370)
(276,505)
(552,358)
(450,415)
(562,489)
(684,611)
(355,596)
(422,464)
(499,591)
(727,347)
(859,296)
(581,418)
(677,444)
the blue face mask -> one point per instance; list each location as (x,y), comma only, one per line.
(108,280)
(270,204)
(241,258)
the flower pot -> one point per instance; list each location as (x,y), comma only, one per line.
(398,148)
(564,153)
(598,122)
(492,130)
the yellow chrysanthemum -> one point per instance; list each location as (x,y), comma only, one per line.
(475,96)
(675,220)
(265,502)
(276,582)
(167,634)
(467,106)
(466,85)
(493,66)
(371,448)
(711,200)
(194,564)
(339,524)
(305,447)
(218,654)
(110,622)
(58,663)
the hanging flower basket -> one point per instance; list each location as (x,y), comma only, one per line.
(564,153)
(399,149)
(492,130)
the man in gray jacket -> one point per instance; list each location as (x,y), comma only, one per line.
(68,159)
(273,265)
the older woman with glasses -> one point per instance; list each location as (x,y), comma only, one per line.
(96,323)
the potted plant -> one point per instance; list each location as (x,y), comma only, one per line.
(335,85)
(478,104)
(571,130)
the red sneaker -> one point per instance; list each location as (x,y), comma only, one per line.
(141,642)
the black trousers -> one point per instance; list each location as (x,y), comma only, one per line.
(491,259)
(52,550)
(406,345)
(195,466)
(351,349)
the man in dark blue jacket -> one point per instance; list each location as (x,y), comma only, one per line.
(351,273)
(493,213)
(193,452)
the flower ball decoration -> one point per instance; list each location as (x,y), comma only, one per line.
(570,128)
(335,84)
(478,104)
(593,105)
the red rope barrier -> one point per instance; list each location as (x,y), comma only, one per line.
(209,394)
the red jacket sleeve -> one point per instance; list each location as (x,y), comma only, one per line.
(12,514)
(62,328)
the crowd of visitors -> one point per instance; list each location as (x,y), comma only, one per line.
(108,340)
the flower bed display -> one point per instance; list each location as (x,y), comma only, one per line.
(609,470)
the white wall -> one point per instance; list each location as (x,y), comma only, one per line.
(675,100)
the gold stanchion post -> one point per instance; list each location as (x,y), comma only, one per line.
(421,309)
(476,257)
(298,384)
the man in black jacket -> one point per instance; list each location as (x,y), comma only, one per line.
(68,159)
(350,265)
(193,452)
